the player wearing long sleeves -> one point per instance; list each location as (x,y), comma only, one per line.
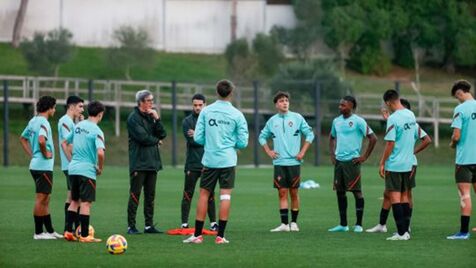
(222,130)
(285,129)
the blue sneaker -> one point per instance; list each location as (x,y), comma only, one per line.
(132,230)
(358,229)
(339,228)
(458,236)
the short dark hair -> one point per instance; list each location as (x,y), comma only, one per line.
(460,84)
(351,99)
(45,103)
(224,88)
(406,104)
(390,95)
(95,107)
(72,100)
(279,95)
(199,96)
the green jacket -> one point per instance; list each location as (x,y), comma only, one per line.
(194,150)
(144,136)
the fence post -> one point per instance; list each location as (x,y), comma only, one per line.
(90,90)
(174,124)
(5,123)
(317,103)
(256,122)
(397,86)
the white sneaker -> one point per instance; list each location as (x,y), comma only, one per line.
(377,229)
(293,227)
(55,235)
(396,237)
(193,240)
(281,228)
(42,236)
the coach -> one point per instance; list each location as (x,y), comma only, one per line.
(145,133)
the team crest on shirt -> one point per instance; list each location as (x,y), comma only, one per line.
(351,124)
(290,123)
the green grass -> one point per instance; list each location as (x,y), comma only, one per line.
(91,63)
(254,212)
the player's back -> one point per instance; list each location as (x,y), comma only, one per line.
(87,139)
(465,119)
(401,128)
(39,126)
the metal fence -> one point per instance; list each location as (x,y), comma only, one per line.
(253,100)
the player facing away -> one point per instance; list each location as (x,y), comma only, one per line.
(425,139)
(397,160)
(345,145)
(74,113)
(285,129)
(37,141)
(86,164)
(222,130)
(193,164)
(464,135)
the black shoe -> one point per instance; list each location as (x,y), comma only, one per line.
(132,230)
(152,230)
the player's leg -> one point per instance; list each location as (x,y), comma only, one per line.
(294,172)
(394,185)
(340,188)
(207,185)
(136,183)
(188,191)
(381,227)
(464,177)
(227,183)
(353,182)
(150,181)
(87,196)
(212,212)
(73,213)
(280,182)
(45,185)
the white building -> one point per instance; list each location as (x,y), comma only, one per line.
(202,26)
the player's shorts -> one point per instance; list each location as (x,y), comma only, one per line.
(347,176)
(83,188)
(68,180)
(465,174)
(411,179)
(224,176)
(287,176)
(397,181)
(43,181)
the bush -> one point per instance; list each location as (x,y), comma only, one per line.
(368,58)
(45,53)
(241,63)
(132,50)
(268,53)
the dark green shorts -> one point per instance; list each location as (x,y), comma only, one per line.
(465,174)
(287,176)
(224,176)
(68,180)
(43,181)
(347,176)
(411,179)
(397,181)
(83,188)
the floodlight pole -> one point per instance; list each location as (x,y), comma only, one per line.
(256,122)
(174,124)
(5,123)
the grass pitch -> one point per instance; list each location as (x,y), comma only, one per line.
(254,212)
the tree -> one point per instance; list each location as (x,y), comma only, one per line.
(132,49)
(45,53)
(19,23)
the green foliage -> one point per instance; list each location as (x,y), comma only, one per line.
(268,53)
(367,57)
(133,50)
(241,63)
(46,52)
(299,78)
